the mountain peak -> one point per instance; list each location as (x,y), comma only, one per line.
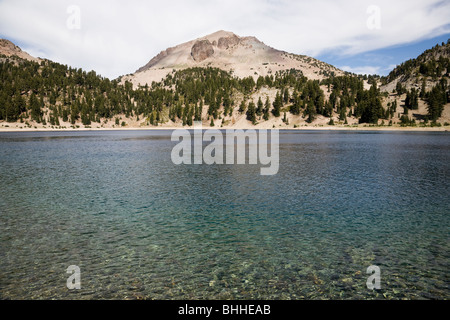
(9,49)
(218,34)
(243,56)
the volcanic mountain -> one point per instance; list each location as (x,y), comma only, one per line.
(243,56)
(40,93)
(9,49)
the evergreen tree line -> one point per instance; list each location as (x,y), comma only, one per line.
(433,63)
(51,92)
(436,98)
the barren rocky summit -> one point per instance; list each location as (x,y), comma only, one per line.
(202,50)
(9,49)
(227,42)
(243,56)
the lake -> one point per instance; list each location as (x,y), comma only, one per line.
(140,227)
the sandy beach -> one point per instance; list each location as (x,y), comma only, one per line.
(11,128)
(239,121)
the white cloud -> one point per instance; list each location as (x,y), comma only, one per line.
(362,69)
(117,37)
(365,69)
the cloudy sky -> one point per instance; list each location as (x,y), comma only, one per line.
(116,37)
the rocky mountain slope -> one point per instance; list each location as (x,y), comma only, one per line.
(420,86)
(9,49)
(242,56)
(431,66)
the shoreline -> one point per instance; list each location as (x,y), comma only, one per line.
(305,128)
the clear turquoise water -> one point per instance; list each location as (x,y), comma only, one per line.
(140,227)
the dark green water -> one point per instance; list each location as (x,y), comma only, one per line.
(139,226)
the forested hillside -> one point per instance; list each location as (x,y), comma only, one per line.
(55,95)
(433,63)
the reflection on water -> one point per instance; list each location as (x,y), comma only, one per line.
(140,227)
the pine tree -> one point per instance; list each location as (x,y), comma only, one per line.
(277,105)
(342,114)
(251,112)
(399,88)
(295,107)
(260,108)
(151,119)
(411,101)
(285,120)
(310,112)
(286,95)
(436,100)
(266,109)
(242,107)
(371,108)
(423,91)
(36,113)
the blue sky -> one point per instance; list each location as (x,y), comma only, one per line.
(116,37)
(382,61)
